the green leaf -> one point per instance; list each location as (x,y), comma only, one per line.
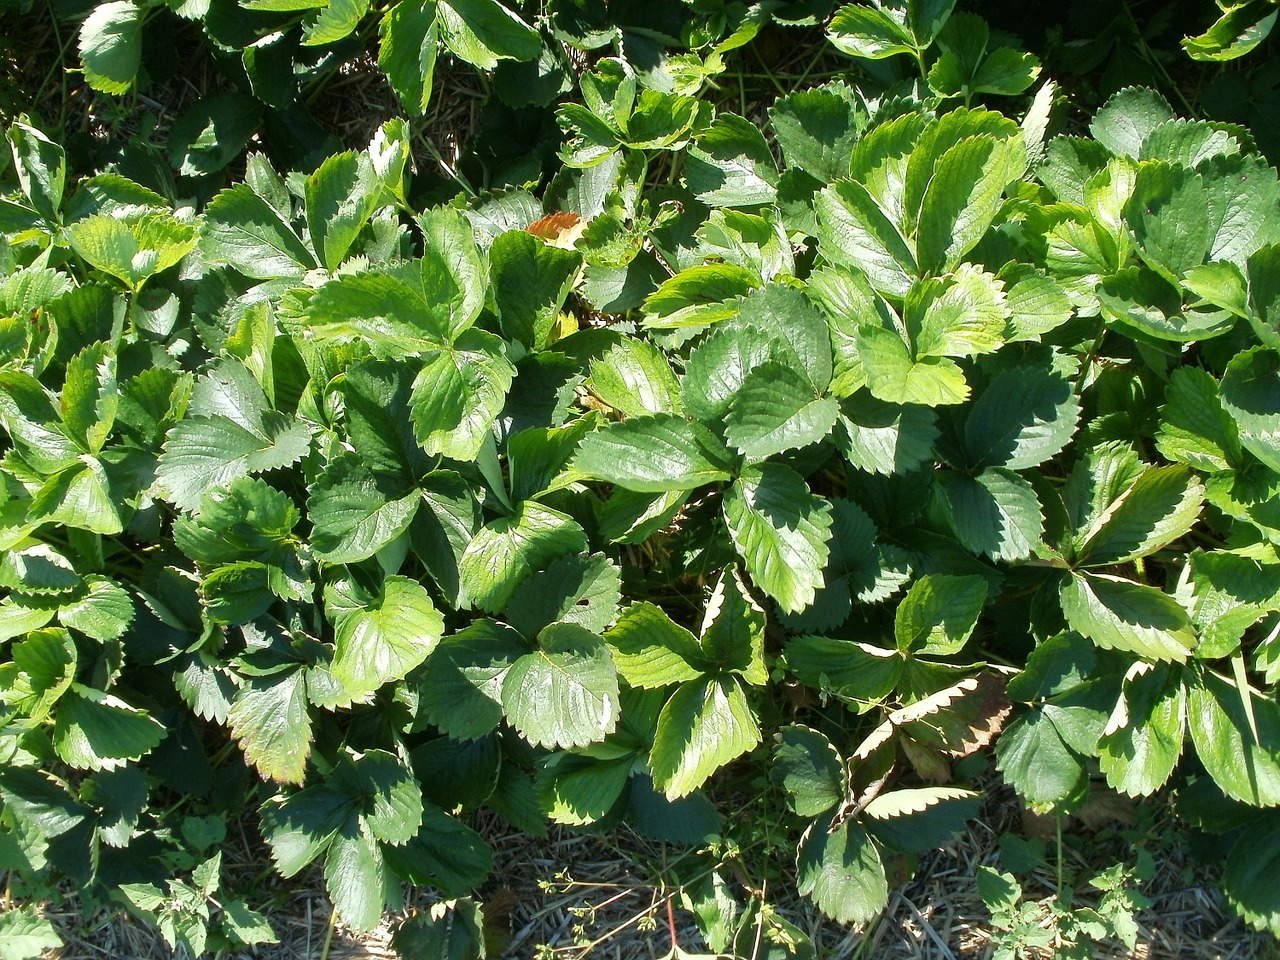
(78,497)
(381,637)
(1144,738)
(730,165)
(699,295)
(1240,28)
(564,694)
(446,854)
(301,825)
(840,869)
(1036,760)
(584,590)
(212,132)
(703,726)
(407,54)
(809,769)
(633,376)
(341,196)
(40,671)
(995,513)
(1122,615)
(1231,593)
(507,550)
(1248,877)
(1125,120)
(97,731)
(960,317)
(1250,393)
(854,231)
(733,629)
(781,531)
(963,198)
(270,719)
(776,410)
(41,168)
(651,650)
(885,438)
(652,454)
(1245,768)
(459,393)
(1025,416)
(25,934)
(110,44)
(871,33)
(241,229)
(132,250)
(352,519)
(530,281)
(1159,508)
(938,614)
(817,130)
(392,806)
(461,684)
(482,32)
(893,377)
(356,879)
(453,271)
(1169,215)
(576,790)
(103,612)
(202,453)
(338,19)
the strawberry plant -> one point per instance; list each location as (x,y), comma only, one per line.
(896,432)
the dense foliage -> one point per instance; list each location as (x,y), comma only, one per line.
(786,467)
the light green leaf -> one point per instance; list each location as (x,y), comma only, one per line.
(564,694)
(110,44)
(530,280)
(132,250)
(270,719)
(964,196)
(870,33)
(341,196)
(1250,393)
(351,518)
(854,231)
(633,376)
(938,614)
(103,612)
(653,454)
(781,531)
(41,167)
(1159,508)
(381,637)
(1122,615)
(335,21)
(699,295)
(97,731)
(482,32)
(241,229)
(407,54)
(1240,28)
(776,410)
(650,650)
(702,727)
(892,376)
(507,550)
(1127,118)
(459,393)
(1144,738)
(584,590)
(884,437)
(25,934)
(1245,768)
(962,317)
(730,165)
(817,130)
(356,878)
